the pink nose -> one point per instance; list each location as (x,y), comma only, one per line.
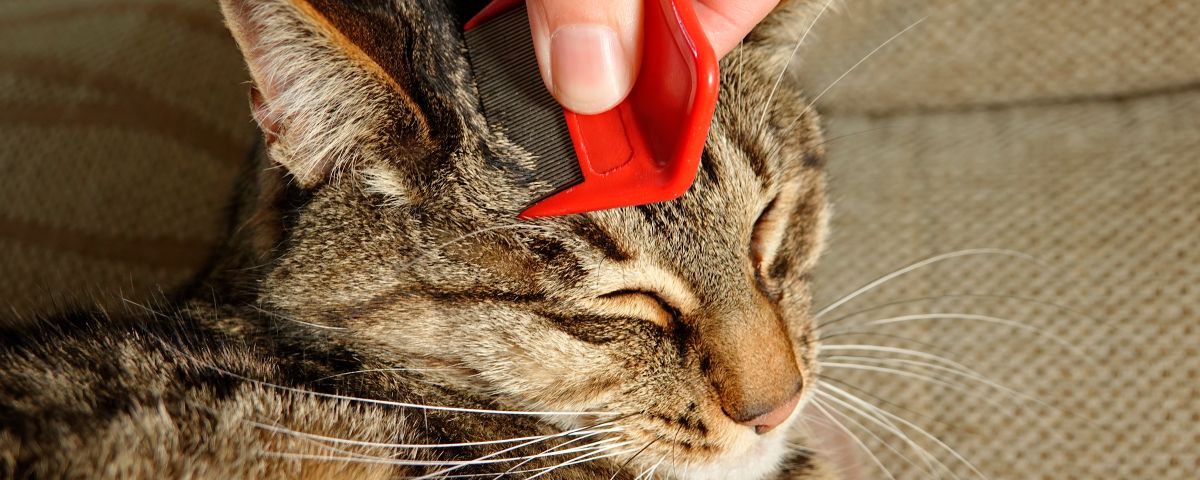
(768,421)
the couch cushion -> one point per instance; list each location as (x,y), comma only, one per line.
(1067,131)
(984,52)
(122,128)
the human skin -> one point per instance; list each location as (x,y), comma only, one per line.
(589,51)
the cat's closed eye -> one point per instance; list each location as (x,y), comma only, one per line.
(642,304)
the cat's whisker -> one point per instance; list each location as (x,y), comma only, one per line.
(531,442)
(827,378)
(1034,301)
(405,404)
(647,472)
(307,437)
(1009,411)
(417,446)
(675,445)
(581,459)
(893,371)
(418,406)
(1013,394)
(841,362)
(929,466)
(587,457)
(654,469)
(358,458)
(144,308)
(863,333)
(635,455)
(318,443)
(972,317)
(377,370)
(607,442)
(813,101)
(642,475)
(762,118)
(971,374)
(577,460)
(918,265)
(289,318)
(870,414)
(551,449)
(828,411)
(778,147)
(968,374)
(895,350)
(922,432)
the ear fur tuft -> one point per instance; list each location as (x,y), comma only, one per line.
(319,97)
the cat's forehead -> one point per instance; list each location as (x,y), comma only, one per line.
(756,151)
(709,227)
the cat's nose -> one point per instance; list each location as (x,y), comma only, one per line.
(749,358)
(779,414)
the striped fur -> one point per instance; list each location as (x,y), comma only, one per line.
(378,257)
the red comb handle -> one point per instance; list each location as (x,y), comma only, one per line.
(647,149)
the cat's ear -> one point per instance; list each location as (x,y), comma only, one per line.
(320,96)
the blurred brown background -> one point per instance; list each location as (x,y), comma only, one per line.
(1067,131)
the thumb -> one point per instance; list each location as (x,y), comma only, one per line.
(588,52)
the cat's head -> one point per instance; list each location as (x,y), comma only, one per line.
(689,318)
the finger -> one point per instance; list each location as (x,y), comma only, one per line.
(726,22)
(588,52)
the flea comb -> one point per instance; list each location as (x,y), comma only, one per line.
(645,150)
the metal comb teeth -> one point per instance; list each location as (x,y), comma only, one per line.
(515,99)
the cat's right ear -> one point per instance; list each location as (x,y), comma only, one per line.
(320,98)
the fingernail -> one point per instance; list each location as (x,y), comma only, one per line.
(588,68)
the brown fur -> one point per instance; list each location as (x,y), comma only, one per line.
(382,235)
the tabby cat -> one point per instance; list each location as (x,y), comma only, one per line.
(380,312)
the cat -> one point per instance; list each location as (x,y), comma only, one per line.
(380,312)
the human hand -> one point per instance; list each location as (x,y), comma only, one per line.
(589,51)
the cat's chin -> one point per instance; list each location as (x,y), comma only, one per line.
(751,457)
(761,459)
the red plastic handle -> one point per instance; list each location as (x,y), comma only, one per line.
(647,149)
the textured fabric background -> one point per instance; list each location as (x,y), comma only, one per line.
(1064,130)
(122,126)
(1000,52)
(1068,131)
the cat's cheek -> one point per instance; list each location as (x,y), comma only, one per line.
(551,369)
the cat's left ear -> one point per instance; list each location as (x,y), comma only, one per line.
(321,95)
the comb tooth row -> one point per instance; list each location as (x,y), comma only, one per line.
(514,97)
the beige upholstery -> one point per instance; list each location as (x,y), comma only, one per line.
(1065,130)
(976,53)
(1069,131)
(122,126)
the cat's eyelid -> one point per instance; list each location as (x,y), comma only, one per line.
(667,313)
(665,303)
(650,278)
